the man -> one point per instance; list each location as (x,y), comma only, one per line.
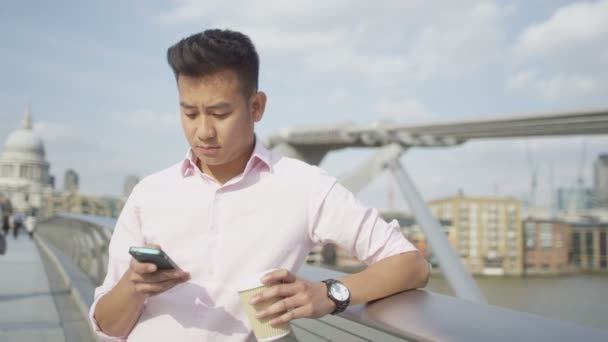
(18,223)
(231,209)
(7,212)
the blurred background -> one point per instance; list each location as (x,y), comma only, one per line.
(88,100)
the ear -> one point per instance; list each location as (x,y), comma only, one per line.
(258,106)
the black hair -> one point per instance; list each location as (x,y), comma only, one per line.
(214,50)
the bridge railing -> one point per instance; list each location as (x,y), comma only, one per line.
(416,315)
(83,239)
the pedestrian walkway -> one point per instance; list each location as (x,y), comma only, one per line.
(29,302)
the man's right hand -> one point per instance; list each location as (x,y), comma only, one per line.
(117,312)
(147,281)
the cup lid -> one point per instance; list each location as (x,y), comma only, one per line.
(251,281)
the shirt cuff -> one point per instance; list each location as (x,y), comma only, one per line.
(100,334)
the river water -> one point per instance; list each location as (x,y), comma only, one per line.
(582,298)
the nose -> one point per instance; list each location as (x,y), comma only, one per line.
(206,128)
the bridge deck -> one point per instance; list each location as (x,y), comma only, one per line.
(34,305)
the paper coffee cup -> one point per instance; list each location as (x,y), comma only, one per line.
(261,327)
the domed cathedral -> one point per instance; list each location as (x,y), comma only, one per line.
(24,171)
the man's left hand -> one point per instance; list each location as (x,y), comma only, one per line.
(299,298)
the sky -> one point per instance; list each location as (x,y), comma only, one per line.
(105,103)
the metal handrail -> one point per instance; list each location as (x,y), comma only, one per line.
(416,315)
(83,239)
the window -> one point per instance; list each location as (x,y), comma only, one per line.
(589,247)
(559,241)
(546,235)
(589,242)
(493,262)
(576,248)
(530,235)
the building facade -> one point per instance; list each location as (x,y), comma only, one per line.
(70,181)
(600,181)
(547,246)
(24,171)
(486,233)
(589,241)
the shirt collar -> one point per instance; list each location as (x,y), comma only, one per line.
(260,152)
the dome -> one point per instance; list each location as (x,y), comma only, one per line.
(24,144)
(24,140)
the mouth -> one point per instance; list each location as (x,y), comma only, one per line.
(207,150)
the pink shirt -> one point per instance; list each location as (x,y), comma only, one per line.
(268,217)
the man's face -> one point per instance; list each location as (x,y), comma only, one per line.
(218,119)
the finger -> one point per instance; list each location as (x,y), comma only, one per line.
(142,267)
(278,276)
(301,312)
(153,245)
(160,276)
(152,289)
(280,307)
(280,290)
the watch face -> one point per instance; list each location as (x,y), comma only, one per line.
(339,291)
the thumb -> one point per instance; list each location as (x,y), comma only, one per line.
(153,245)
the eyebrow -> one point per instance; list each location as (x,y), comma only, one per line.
(187,106)
(219,105)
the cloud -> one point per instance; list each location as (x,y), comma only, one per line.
(564,56)
(578,25)
(249,11)
(60,133)
(404,109)
(395,41)
(558,86)
(147,119)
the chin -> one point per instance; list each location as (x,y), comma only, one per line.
(212,161)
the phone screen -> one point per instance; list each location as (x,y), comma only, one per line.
(153,256)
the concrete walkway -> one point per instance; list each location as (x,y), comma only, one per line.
(28,302)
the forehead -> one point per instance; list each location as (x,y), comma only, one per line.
(222,83)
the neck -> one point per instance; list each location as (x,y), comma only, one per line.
(225,172)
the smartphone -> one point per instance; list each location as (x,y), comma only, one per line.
(153,256)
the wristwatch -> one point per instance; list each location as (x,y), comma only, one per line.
(338,293)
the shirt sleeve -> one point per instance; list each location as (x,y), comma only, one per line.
(337,216)
(127,233)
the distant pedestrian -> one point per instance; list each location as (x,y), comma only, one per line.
(30,224)
(7,210)
(2,243)
(18,223)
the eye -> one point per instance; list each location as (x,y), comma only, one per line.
(190,115)
(221,115)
